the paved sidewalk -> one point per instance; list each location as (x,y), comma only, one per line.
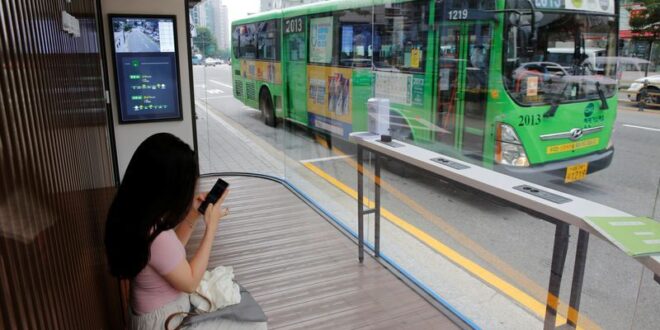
(222,148)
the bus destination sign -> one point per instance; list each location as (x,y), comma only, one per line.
(599,6)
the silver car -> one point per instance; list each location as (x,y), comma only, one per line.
(646,89)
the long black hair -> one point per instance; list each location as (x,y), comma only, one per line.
(155,195)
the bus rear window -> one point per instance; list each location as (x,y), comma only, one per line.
(234,41)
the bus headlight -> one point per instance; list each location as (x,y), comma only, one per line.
(508,149)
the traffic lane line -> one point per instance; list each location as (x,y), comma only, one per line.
(642,127)
(508,289)
(221,84)
(216,97)
(323,159)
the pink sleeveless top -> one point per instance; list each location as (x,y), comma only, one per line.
(149,289)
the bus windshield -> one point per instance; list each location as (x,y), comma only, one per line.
(567,63)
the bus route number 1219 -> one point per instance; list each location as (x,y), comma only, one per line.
(455,15)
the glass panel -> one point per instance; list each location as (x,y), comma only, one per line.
(355,38)
(248,41)
(321,31)
(572,59)
(400,35)
(448,86)
(267,42)
(235,93)
(296,46)
(476,89)
(448,69)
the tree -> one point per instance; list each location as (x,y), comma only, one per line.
(645,23)
(205,41)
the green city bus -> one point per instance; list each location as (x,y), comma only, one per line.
(522,86)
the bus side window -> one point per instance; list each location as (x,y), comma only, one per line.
(296,47)
(400,38)
(248,42)
(354,41)
(267,40)
(321,32)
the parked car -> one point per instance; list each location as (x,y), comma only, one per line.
(209,61)
(196,59)
(645,89)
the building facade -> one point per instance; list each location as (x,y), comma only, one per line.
(213,15)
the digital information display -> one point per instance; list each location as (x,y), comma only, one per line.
(146,71)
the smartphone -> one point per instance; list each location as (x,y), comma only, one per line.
(218,189)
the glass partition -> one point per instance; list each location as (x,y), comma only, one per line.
(231,136)
(530,93)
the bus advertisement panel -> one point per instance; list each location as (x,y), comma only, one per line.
(329,99)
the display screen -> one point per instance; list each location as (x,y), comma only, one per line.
(146,71)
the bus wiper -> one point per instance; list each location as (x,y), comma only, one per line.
(554,103)
(603,102)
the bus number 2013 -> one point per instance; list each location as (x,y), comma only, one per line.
(293,25)
(529,120)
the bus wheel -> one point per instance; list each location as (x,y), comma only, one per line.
(266,107)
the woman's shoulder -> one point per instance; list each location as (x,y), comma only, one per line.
(167,238)
(166,251)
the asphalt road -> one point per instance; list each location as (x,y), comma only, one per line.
(137,41)
(511,244)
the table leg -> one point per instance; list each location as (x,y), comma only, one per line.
(377,207)
(557,269)
(360,205)
(578,277)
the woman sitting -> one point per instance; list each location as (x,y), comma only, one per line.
(149,223)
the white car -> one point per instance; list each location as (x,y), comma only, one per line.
(647,87)
(209,61)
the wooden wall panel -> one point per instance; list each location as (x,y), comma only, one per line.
(56,176)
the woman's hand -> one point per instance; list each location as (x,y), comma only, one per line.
(193,213)
(197,202)
(215,212)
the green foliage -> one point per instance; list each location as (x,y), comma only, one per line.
(205,41)
(646,23)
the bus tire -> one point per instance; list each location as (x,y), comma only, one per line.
(266,107)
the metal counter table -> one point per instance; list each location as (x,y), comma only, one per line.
(556,207)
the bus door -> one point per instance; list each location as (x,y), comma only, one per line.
(462,85)
(295,68)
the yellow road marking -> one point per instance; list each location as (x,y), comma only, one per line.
(510,290)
